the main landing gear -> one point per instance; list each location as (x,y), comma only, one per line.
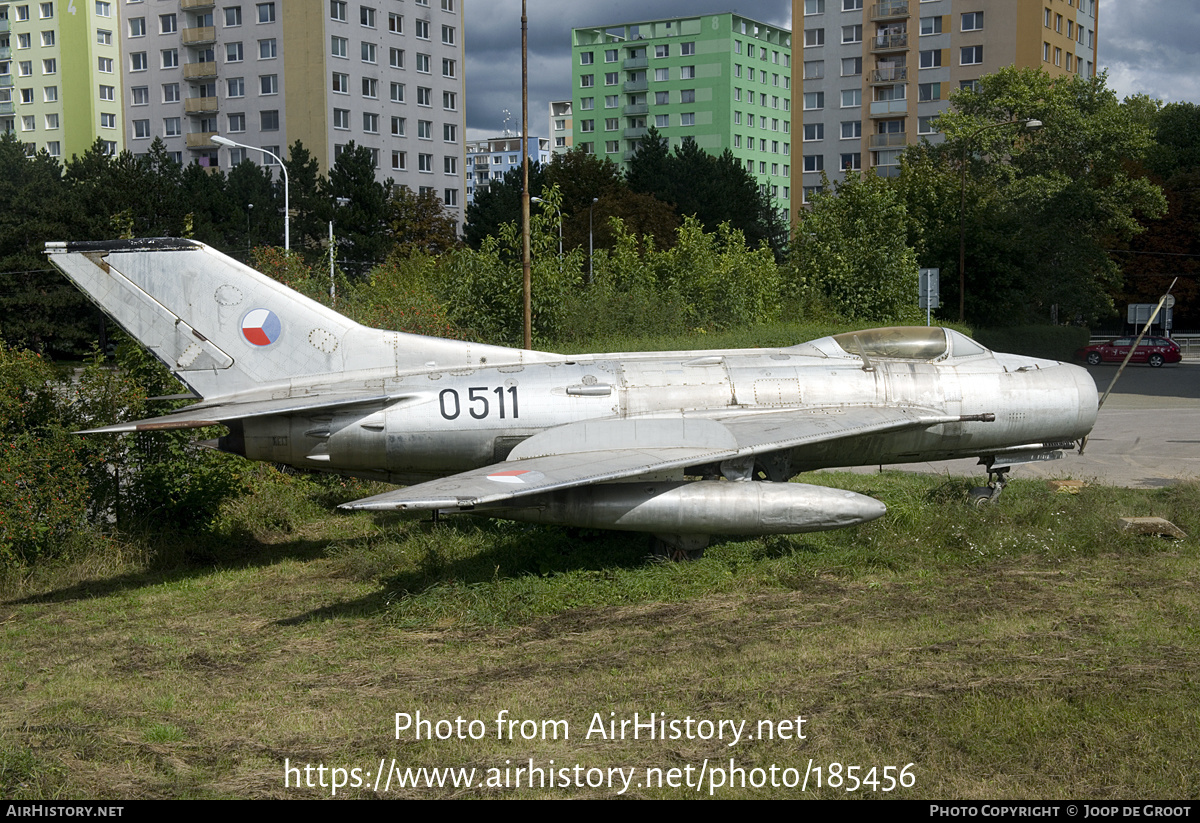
(997,480)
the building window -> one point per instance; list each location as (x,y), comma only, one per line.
(167,24)
(170,58)
(424,96)
(925,125)
(587,125)
(269,120)
(367,52)
(814,37)
(341,119)
(852,5)
(46,10)
(50,66)
(370,123)
(851,98)
(448,35)
(662,75)
(370,87)
(266,12)
(687,119)
(268,84)
(26,96)
(852,34)
(137,61)
(398,126)
(400,160)
(610,55)
(422,29)
(425,163)
(50,94)
(448,68)
(972,21)
(661,121)
(397,93)
(586,58)
(587,81)
(931,59)
(233,16)
(137,27)
(338,46)
(687,49)
(396,58)
(851,66)
(814,162)
(235,87)
(587,103)
(449,101)
(424,130)
(108,121)
(449,133)
(104,37)
(851,161)
(687,72)
(931,25)
(423,63)
(140,95)
(170,92)
(52,122)
(929,91)
(266,49)
(237,122)
(662,51)
(972,55)
(233,53)
(814,131)
(450,165)
(815,100)
(337,10)
(851,129)
(395,23)
(611,124)
(814,7)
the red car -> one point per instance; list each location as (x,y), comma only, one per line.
(1153,350)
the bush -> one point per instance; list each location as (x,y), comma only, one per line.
(1051,342)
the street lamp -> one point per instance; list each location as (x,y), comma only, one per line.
(591,205)
(556,208)
(287,228)
(1030,124)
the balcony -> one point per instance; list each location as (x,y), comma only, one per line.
(189,5)
(199,35)
(5,81)
(198,71)
(890,42)
(635,110)
(889,10)
(3,25)
(632,63)
(200,105)
(636,85)
(6,108)
(5,52)
(889,108)
(896,74)
(887,141)
(636,133)
(201,140)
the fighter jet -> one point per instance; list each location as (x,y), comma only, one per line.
(665,443)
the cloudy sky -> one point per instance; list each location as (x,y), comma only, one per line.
(1156,53)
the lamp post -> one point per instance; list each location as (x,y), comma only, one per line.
(1030,124)
(556,208)
(287,228)
(591,205)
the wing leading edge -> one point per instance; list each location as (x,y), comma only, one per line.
(603,451)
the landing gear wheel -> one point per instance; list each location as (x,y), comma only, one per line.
(997,480)
(679,548)
(1094,358)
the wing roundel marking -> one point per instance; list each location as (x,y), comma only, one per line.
(261,327)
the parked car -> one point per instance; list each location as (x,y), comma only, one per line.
(1152,350)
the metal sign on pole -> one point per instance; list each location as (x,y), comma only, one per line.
(929,291)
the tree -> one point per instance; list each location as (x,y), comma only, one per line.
(419,223)
(1042,206)
(360,216)
(500,203)
(310,205)
(850,250)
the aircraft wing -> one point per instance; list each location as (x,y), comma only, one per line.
(603,451)
(205,414)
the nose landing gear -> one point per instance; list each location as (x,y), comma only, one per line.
(997,480)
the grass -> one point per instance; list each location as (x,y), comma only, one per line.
(1021,651)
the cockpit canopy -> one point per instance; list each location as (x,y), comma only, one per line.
(913,343)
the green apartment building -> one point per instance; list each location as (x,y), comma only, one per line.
(60,75)
(722,79)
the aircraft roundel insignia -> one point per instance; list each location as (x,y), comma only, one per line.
(516,476)
(261,327)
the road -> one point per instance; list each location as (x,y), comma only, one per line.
(1147,434)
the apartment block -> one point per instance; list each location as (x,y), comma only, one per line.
(491,159)
(562,124)
(723,79)
(383,74)
(873,76)
(60,80)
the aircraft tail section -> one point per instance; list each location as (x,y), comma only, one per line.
(225,329)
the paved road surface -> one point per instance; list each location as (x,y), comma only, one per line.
(1147,433)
